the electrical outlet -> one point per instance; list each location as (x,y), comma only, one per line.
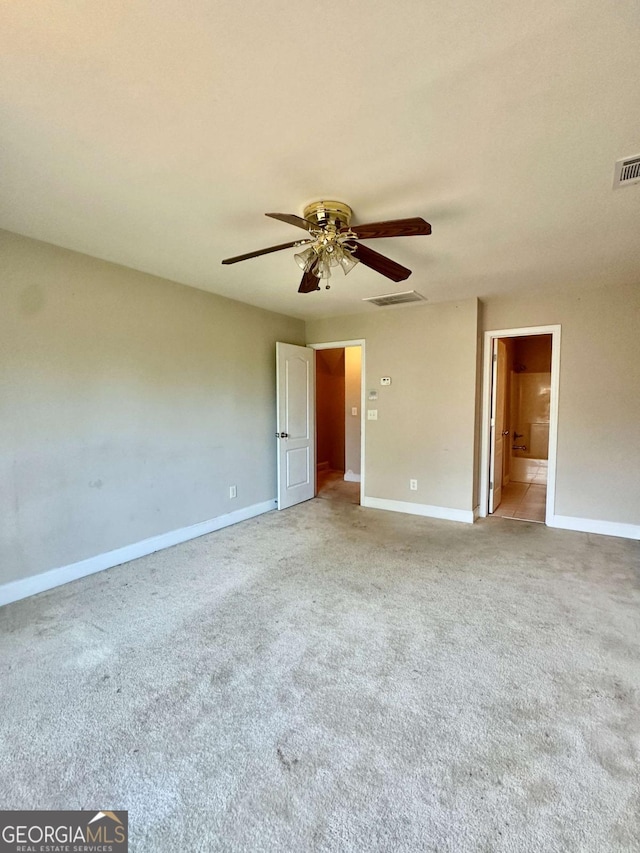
(413,485)
(233,491)
(372,415)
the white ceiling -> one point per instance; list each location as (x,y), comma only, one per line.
(156,134)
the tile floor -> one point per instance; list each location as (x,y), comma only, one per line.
(525,501)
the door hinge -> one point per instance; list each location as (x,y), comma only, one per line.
(495,356)
(490,485)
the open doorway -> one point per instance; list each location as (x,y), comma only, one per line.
(523,401)
(520,423)
(339,422)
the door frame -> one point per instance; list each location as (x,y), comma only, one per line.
(360,342)
(485,450)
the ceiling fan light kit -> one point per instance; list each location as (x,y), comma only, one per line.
(332,242)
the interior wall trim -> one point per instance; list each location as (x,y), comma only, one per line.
(446,513)
(350,477)
(25,587)
(592,525)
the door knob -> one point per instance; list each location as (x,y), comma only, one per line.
(505,432)
(282,435)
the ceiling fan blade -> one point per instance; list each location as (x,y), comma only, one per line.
(265,251)
(292,219)
(309,283)
(380,263)
(393,228)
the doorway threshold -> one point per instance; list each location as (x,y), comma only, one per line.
(523,501)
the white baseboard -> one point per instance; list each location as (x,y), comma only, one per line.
(350,477)
(15,590)
(465,515)
(590,525)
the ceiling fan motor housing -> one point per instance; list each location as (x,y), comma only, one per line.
(329,215)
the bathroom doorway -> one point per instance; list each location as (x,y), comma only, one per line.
(520,423)
(339,439)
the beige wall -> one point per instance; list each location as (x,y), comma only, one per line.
(425,426)
(599,407)
(129,405)
(353,399)
(531,353)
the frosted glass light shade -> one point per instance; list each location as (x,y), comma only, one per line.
(305,259)
(347,261)
(323,267)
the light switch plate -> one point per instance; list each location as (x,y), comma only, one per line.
(354,411)
(372,415)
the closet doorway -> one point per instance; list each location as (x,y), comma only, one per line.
(339,425)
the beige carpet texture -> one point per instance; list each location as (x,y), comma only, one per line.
(333,678)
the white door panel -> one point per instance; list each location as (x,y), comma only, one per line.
(297,378)
(296,424)
(298,468)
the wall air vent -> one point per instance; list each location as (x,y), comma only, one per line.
(627,172)
(395,298)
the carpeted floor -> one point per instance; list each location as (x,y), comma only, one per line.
(332,678)
(333,487)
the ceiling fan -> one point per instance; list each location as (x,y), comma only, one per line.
(333,242)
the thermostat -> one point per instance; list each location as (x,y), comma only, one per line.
(385,380)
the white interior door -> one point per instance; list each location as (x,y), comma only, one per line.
(498,392)
(296,424)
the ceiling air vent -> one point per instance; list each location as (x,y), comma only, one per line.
(395,298)
(627,172)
